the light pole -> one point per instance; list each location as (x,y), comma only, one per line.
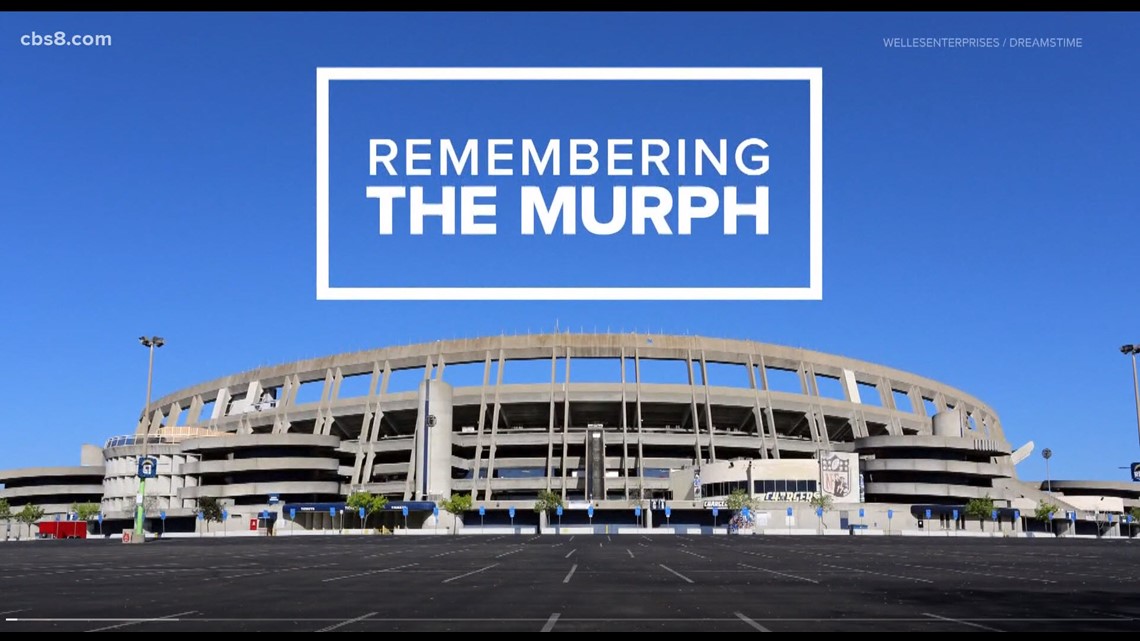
(1134,350)
(149,342)
(1047,454)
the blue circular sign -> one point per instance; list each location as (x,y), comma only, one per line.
(404,510)
(511,512)
(361,512)
(890,514)
(819,511)
(789,511)
(435,511)
(715,511)
(637,511)
(590,511)
(668,510)
(558,510)
(482,510)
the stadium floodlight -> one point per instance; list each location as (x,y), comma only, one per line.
(1134,350)
(150,343)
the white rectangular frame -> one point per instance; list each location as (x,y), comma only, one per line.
(813,75)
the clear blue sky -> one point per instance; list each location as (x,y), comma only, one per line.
(980,208)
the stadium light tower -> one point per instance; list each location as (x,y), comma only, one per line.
(1134,350)
(149,342)
(1047,454)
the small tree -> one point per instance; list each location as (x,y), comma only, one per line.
(1044,509)
(29,515)
(1135,512)
(85,511)
(547,502)
(5,514)
(372,503)
(738,500)
(980,509)
(210,508)
(821,500)
(457,503)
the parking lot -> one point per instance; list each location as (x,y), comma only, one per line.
(566,583)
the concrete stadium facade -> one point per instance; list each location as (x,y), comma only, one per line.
(608,420)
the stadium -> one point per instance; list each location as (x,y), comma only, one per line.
(629,430)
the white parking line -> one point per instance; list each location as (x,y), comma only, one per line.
(989,574)
(456,578)
(889,576)
(630,552)
(344,623)
(571,539)
(550,622)
(751,622)
(11,611)
(373,556)
(380,571)
(790,576)
(137,621)
(972,625)
(910,619)
(669,569)
(694,554)
(509,553)
(570,552)
(570,573)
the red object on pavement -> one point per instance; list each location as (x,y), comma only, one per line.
(62,529)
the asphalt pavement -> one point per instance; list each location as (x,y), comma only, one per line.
(571,583)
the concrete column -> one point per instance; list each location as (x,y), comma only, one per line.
(565,423)
(693,413)
(494,426)
(757,415)
(220,403)
(624,435)
(477,464)
(434,443)
(550,418)
(708,407)
(195,410)
(637,400)
(768,411)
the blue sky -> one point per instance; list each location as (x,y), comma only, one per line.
(979,205)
